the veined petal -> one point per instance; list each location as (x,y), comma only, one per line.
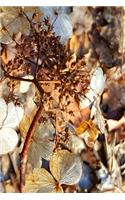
(98,81)
(8,140)
(66,167)
(63,27)
(14,116)
(40,181)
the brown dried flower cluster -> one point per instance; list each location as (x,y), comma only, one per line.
(42,55)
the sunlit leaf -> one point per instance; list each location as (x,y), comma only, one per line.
(99,117)
(82,128)
(42,143)
(41,181)
(66,167)
(88,126)
(88,131)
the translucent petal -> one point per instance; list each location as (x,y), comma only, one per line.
(61,22)
(42,144)
(87,100)
(97,85)
(40,148)
(3,111)
(14,22)
(76,144)
(99,117)
(14,116)
(45,129)
(50,11)
(24,86)
(66,167)
(40,181)
(98,81)
(8,140)
(63,27)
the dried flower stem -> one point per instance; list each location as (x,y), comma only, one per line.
(24,154)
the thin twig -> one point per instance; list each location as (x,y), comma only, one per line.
(24,154)
(50,81)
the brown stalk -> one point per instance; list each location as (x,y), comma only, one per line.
(24,153)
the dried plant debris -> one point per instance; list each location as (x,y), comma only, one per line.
(62,99)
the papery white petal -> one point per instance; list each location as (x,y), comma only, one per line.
(113,124)
(97,83)
(76,143)
(3,111)
(98,115)
(63,27)
(42,148)
(14,116)
(87,99)
(40,181)
(48,11)
(66,167)
(24,85)
(8,140)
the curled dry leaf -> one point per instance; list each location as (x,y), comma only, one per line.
(88,131)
